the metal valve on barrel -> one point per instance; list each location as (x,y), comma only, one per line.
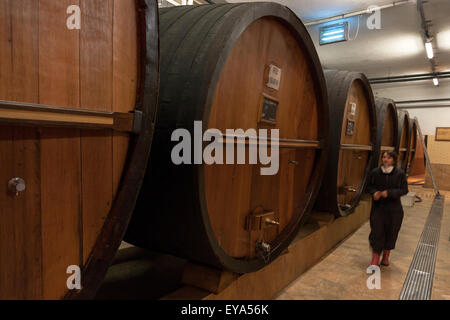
(16,185)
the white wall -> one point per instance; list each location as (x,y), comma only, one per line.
(417,90)
(429,118)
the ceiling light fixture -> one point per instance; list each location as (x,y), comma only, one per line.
(429,48)
(334,33)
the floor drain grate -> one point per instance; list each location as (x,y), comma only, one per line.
(419,280)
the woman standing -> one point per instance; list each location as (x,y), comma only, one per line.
(386,185)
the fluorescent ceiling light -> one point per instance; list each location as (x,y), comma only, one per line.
(435,81)
(333,33)
(429,48)
(332,38)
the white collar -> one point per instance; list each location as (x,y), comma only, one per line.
(387,169)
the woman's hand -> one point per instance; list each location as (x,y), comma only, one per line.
(384,194)
(377,195)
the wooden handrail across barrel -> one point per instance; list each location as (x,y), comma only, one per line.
(343,189)
(282,143)
(22,113)
(387,148)
(403,149)
(356,147)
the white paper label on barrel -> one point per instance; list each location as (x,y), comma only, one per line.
(353,109)
(274,77)
(350,128)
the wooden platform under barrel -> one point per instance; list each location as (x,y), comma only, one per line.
(65,124)
(387,127)
(404,139)
(270,78)
(352,141)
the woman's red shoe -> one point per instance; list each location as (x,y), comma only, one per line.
(375,259)
(385,260)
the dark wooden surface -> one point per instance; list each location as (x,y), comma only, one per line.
(413,144)
(403,141)
(387,128)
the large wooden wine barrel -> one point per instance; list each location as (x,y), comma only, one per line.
(353,136)
(233,66)
(403,141)
(412,143)
(76,125)
(387,128)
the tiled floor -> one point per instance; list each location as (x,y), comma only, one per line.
(342,273)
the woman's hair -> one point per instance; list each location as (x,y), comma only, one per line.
(391,154)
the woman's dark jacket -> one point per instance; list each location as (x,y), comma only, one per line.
(396,185)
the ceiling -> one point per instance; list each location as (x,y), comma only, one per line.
(396,49)
(317,9)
